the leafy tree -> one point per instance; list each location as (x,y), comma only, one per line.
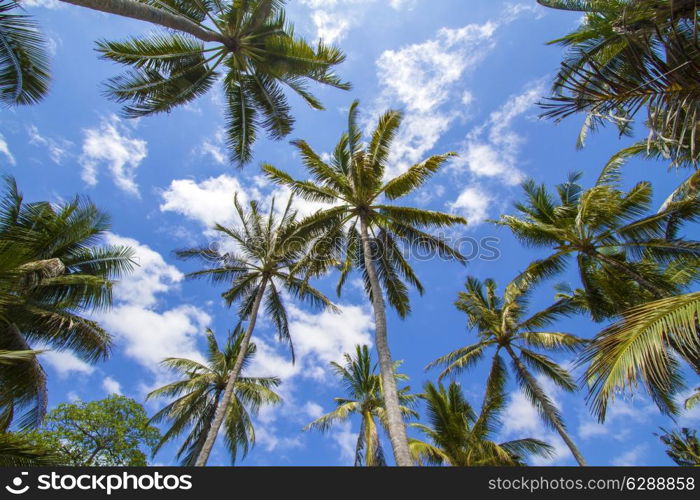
(268,250)
(625,255)
(460,438)
(364,230)
(645,346)
(248,45)
(198,394)
(682,447)
(110,432)
(363,386)
(24,62)
(502,323)
(53,272)
(628,56)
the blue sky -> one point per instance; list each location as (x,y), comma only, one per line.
(467,76)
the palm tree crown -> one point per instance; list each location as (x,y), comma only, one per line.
(198,392)
(363,230)
(251,48)
(502,323)
(461,438)
(364,398)
(63,274)
(24,61)
(618,246)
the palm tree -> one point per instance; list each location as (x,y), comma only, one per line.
(645,346)
(17,450)
(625,256)
(247,44)
(24,61)
(363,386)
(198,393)
(460,438)
(501,323)
(683,446)
(365,231)
(63,274)
(267,251)
(627,56)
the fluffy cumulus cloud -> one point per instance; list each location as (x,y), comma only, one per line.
(473,203)
(146,331)
(111,386)
(66,363)
(151,276)
(208,202)
(110,145)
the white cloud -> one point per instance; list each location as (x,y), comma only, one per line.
(5,150)
(111,386)
(149,336)
(151,276)
(208,202)
(473,203)
(333,19)
(215,147)
(426,80)
(58,149)
(313,410)
(48,4)
(492,149)
(111,145)
(66,363)
(346,440)
(631,458)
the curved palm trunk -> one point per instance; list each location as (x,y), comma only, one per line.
(395,423)
(548,409)
(149,14)
(231,382)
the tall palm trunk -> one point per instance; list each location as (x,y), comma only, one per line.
(546,406)
(395,423)
(231,382)
(149,14)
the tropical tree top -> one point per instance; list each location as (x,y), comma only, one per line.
(354,184)
(24,60)
(264,250)
(197,392)
(631,55)
(248,45)
(617,242)
(364,397)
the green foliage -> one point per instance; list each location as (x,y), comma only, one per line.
(682,446)
(198,391)
(364,398)
(502,324)
(52,272)
(627,57)
(353,183)
(110,432)
(24,65)
(461,438)
(257,55)
(266,251)
(19,450)
(626,255)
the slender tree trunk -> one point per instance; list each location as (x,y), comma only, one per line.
(231,382)
(548,409)
(395,423)
(149,14)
